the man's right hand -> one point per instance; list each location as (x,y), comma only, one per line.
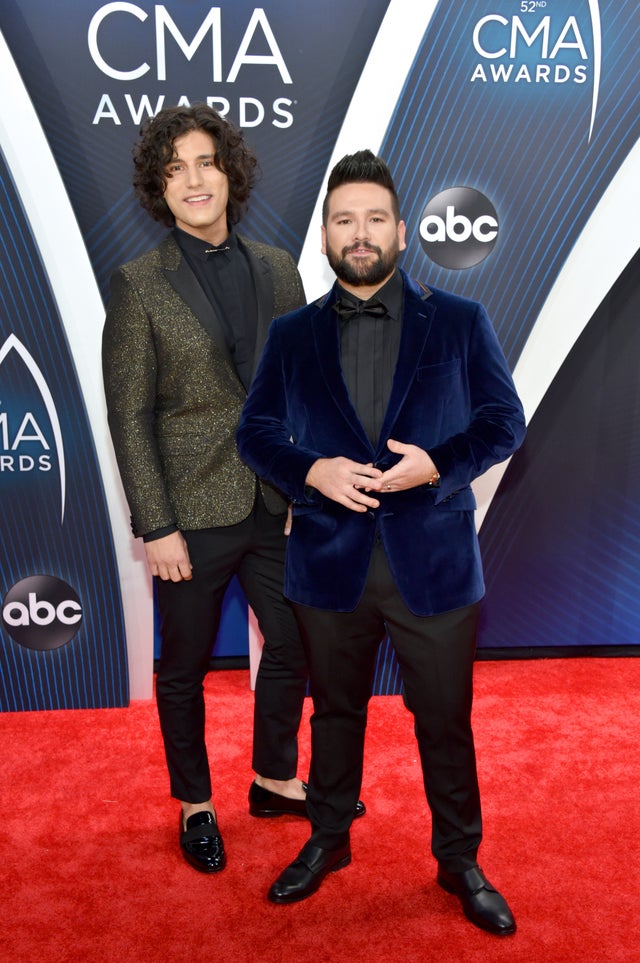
(168,557)
(344,481)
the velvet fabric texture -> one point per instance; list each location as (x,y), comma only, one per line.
(452,396)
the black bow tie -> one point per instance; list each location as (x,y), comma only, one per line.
(349,309)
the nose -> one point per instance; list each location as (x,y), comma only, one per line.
(361,231)
(194,175)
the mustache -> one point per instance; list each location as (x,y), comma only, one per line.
(359,246)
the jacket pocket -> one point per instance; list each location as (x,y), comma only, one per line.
(461,501)
(437,372)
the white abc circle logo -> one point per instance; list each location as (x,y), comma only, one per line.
(41,612)
(458,228)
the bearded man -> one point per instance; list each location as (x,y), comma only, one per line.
(373,409)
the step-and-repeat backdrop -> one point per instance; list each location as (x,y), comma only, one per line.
(512,129)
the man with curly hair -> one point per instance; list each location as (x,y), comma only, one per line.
(185,324)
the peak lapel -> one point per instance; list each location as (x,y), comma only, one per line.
(184,282)
(263,283)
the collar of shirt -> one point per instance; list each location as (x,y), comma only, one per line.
(391,294)
(203,250)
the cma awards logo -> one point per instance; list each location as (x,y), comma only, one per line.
(41,612)
(458,228)
(542,51)
(27,439)
(116,38)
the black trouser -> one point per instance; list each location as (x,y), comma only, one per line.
(436,656)
(190,617)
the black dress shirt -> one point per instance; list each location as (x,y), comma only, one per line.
(369,347)
(225,276)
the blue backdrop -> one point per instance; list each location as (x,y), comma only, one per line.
(521,120)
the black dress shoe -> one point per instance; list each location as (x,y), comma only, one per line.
(304,876)
(201,842)
(263,802)
(481,902)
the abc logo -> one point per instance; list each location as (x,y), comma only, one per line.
(458,228)
(41,612)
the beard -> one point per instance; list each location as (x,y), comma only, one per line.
(363,273)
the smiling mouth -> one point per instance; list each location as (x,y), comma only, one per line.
(198,198)
(361,250)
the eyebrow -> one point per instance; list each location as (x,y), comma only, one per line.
(371,210)
(199,157)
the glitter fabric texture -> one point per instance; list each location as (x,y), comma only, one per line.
(173,396)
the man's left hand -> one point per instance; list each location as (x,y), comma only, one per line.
(414,468)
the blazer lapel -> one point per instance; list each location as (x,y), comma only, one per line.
(327,345)
(263,282)
(417,318)
(184,282)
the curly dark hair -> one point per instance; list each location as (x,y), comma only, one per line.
(154,150)
(363,167)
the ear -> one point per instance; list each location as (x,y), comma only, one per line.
(323,238)
(402,230)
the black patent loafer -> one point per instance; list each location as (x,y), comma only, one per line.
(201,842)
(264,803)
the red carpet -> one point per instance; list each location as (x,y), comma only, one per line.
(91,870)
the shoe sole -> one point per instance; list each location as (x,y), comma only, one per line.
(274,813)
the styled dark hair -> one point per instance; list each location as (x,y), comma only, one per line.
(361,167)
(154,151)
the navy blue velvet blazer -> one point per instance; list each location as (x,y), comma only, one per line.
(452,395)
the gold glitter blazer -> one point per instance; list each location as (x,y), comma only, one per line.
(173,395)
